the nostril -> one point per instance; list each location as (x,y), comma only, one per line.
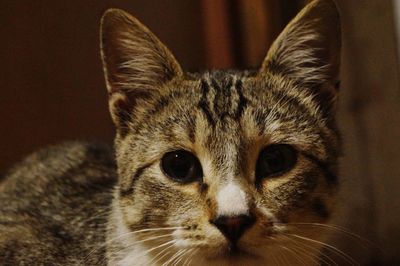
(233,227)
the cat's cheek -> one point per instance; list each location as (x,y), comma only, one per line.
(316,209)
(205,239)
(133,213)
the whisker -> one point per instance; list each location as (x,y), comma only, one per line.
(339,229)
(336,250)
(105,244)
(128,234)
(296,256)
(181,257)
(96,217)
(145,252)
(282,257)
(190,261)
(157,229)
(163,252)
(159,246)
(315,258)
(321,254)
(307,255)
(177,254)
(189,257)
(274,259)
(153,238)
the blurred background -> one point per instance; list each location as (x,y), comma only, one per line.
(52,87)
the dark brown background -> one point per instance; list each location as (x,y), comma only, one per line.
(52,86)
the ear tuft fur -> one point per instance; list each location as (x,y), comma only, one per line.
(308,50)
(136,64)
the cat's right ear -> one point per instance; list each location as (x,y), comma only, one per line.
(136,64)
(308,51)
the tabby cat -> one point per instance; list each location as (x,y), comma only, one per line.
(213,168)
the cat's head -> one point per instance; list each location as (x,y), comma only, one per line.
(224,166)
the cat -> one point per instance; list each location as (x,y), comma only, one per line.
(222,167)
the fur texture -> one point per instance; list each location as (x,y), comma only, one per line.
(54,206)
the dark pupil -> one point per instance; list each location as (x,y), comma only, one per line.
(181,166)
(275,159)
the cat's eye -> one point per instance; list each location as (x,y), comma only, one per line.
(181,166)
(275,160)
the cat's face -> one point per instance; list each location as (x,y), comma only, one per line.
(223,167)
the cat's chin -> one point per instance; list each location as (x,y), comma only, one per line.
(231,257)
(233,254)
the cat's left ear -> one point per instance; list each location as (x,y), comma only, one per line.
(308,50)
(135,62)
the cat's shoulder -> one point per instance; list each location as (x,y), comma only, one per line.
(68,160)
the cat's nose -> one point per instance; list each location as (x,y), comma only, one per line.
(233,227)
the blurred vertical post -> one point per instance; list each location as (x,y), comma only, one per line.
(238,33)
(396,4)
(217,34)
(371,125)
(258,25)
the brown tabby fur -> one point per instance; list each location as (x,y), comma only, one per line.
(66,206)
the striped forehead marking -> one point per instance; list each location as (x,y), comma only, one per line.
(221,98)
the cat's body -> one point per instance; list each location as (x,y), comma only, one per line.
(215,168)
(55,206)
